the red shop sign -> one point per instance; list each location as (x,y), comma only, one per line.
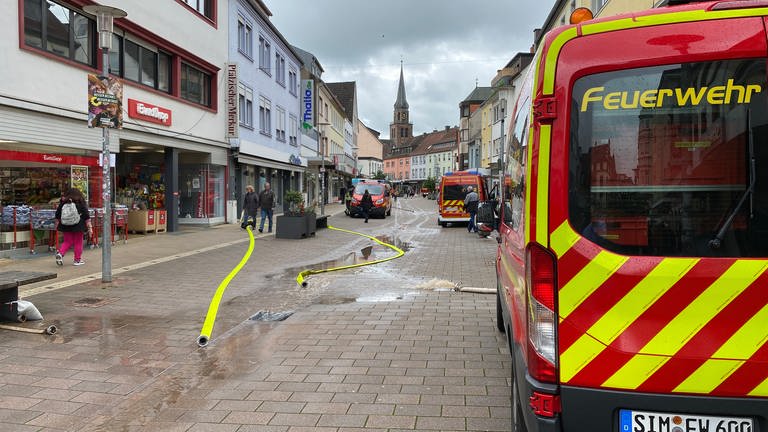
(148,112)
(48,158)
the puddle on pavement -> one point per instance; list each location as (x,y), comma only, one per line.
(400,244)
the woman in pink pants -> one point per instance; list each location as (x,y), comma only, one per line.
(73,232)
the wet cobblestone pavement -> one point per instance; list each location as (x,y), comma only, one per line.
(387,347)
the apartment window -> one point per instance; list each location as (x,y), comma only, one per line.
(264,57)
(280,69)
(203,7)
(293,130)
(280,126)
(245,99)
(59,30)
(195,85)
(293,83)
(140,64)
(244,37)
(265,116)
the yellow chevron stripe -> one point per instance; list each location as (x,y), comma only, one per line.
(657,282)
(701,310)
(708,376)
(635,371)
(578,355)
(588,280)
(623,314)
(542,186)
(563,238)
(760,390)
(729,357)
(748,339)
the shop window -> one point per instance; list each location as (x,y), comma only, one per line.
(60,31)
(202,191)
(115,57)
(195,85)
(246,105)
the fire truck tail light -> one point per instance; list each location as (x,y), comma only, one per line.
(545,405)
(542,315)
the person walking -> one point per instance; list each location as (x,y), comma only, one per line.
(471,202)
(366,203)
(250,206)
(267,202)
(72,220)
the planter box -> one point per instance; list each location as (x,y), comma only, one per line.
(292,227)
(141,221)
(311,223)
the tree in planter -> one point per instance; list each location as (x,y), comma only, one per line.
(295,202)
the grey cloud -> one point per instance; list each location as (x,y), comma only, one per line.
(445,46)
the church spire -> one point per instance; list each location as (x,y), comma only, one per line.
(401,103)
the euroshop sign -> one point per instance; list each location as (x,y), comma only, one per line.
(308,99)
(148,112)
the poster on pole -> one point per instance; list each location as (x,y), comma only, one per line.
(105,102)
(79,179)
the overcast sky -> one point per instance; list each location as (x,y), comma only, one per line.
(446,47)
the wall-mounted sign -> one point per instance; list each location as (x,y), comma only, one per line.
(148,112)
(308,98)
(295,160)
(105,102)
(232,114)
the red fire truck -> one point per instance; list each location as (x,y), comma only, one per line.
(633,249)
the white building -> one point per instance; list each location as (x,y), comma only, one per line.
(170,153)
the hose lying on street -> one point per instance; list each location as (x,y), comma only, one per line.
(478,290)
(213,308)
(300,278)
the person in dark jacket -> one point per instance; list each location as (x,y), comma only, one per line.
(73,234)
(267,203)
(250,206)
(366,203)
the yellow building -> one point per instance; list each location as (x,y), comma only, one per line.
(486,129)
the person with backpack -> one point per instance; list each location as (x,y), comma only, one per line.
(73,220)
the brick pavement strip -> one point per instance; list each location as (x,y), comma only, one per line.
(416,360)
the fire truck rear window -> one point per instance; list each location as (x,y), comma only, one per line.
(455,192)
(672,160)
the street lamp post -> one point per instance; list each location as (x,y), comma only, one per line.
(503,103)
(321,148)
(104,21)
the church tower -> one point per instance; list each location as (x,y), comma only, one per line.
(401,127)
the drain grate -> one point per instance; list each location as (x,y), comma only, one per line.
(271,316)
(93,301)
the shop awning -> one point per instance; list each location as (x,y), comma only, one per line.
(267,163)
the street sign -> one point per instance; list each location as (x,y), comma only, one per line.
(322,170)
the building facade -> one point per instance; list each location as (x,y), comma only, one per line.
(265,145)
(370,151)
(170,154)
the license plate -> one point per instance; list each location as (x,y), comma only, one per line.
(644,421)
(451,209)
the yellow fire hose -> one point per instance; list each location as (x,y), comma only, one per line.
(213,308)
(300,278)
